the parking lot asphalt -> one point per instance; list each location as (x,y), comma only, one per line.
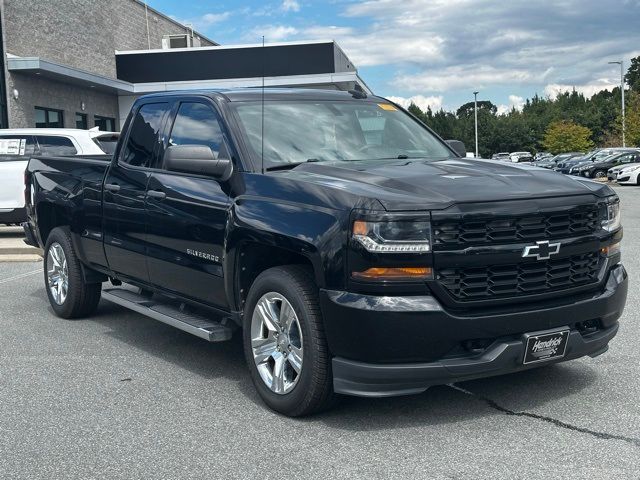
(122,396)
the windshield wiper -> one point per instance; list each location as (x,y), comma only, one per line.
(289,166)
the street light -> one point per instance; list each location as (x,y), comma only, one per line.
(475,108)
(621,63)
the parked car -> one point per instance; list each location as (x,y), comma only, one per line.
(548,162)
(524,159)
(542,156)
(599,169)
(612,173)
(562,161)
(500,156)
(629,175)
(515,156)
(17,145)
(373,265)
(571,167)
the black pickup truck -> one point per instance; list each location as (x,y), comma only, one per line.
(354,249)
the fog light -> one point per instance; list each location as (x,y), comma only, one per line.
(394,273)
(611,250)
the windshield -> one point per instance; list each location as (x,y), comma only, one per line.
(301,131)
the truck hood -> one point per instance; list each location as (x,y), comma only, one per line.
(438,184)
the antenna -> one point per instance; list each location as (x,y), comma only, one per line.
(262,135)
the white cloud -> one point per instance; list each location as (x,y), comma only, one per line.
(466,76)
(210,19)
(290,6)
(435,46)
(588,90)
(273,33)
(442,45)
(515,102)
(205,21)
(380,47)
(435,103)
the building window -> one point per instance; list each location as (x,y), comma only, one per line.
(106,124)
(81,121)
(49,118)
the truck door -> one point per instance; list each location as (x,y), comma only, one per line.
(187,214)
(125,187)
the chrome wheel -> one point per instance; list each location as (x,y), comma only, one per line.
(57,273)
(276,343)
(600,174)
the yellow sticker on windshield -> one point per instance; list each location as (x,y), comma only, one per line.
(388,107)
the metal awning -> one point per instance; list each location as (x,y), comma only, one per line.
(65,74)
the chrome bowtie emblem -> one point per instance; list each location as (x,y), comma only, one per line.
(541,250)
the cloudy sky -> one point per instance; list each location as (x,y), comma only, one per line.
(437,52)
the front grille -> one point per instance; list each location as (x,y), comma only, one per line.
(582,220)
(526,278)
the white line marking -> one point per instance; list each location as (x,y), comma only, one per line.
(18,277)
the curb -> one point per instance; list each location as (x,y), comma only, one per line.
(20,258)
(26,250)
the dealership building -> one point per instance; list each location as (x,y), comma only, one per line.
(82,63)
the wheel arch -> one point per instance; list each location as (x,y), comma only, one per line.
(262,235)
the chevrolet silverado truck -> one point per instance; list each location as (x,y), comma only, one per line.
(353,250)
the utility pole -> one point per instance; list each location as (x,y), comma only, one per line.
(621,63)
(475,108)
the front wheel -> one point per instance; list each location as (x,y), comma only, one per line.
(599,174)
(284,342)
(69,295)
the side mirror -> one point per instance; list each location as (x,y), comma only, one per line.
(457,147)
(197,159)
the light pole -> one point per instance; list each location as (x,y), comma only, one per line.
(475,111)
(621,63)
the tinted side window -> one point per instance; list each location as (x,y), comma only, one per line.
(16,145)
(197,124)
(55,146)
(144,138)
(107,143)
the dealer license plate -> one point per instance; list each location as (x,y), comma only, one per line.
(544,346)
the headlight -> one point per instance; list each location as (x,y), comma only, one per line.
(611,215)
(632,169)
(403,236)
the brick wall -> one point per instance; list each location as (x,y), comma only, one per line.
(83,33)
(78,33)
(37,92)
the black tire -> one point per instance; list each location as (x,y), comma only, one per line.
(313,391)
(599,174)
(82,298)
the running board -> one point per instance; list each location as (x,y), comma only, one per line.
(193,323)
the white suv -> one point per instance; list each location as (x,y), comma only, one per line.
(18,145)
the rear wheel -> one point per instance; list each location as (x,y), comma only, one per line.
(599,174)
(69,295)
(284,342)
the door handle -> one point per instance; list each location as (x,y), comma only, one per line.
(112,187)
(158,194)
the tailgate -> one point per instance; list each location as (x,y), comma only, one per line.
(12,184)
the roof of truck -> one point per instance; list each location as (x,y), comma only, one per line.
(252,94)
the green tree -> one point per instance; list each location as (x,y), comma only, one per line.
(469,107)
(633,75)
(632,120)
(565,136)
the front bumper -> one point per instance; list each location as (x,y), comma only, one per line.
(387,346)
